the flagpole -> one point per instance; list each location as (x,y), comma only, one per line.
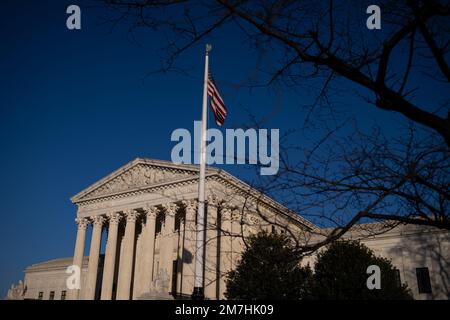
(198,293)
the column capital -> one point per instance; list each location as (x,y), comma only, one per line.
(97,221)
(82,223)
(151,211)
(190,204)
(213,200)
(171,208)
(226,210)
(131,215)
(236,214)
(254,204)
(114,218)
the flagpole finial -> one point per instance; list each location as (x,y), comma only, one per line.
(208,48)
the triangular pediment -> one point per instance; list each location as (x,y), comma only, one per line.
(146,174)
(140,173)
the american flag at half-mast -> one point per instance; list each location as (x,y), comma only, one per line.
(217,105)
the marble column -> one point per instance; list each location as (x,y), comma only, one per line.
(119,254)
(157,258)
(181,232)
(237,243)
(189,246)
(148,249)
(82,224)
(225,249)
(167,243)
(138,258)
(211,249)
(94,253)
(110,256)
(126,259)
(161,242)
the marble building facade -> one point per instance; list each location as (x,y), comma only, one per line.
(148,209)
(144,214)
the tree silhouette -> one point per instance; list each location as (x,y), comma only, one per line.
(325,47)
(340,273)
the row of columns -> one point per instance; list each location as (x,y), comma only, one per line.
(133,260)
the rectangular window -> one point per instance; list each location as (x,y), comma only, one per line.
(273,230)
(63,295)
(423,280)
(52,295)
(41,295)
(398,279)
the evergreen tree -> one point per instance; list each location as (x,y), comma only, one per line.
(269,269)
(340,273)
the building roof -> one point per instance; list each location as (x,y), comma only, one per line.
(385,229)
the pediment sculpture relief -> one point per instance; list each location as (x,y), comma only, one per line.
(136,177)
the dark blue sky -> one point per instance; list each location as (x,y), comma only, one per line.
(73,108)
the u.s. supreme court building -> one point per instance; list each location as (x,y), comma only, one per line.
(146,212)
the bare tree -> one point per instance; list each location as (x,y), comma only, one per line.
(357,177)
(326,39)
(365,177)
